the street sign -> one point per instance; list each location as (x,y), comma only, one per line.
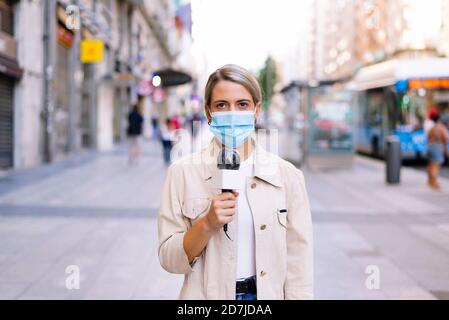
(92,51)
(144,88)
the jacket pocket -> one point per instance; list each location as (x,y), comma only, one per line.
(193,208)
(282,217)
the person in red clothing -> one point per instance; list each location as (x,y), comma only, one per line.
(175,122)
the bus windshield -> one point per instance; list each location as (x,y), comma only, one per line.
(415,106)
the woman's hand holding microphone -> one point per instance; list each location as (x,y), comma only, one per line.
(222,210)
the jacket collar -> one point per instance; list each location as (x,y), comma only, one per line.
(266,165)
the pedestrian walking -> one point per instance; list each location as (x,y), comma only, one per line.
(176,122)
(428,122)
(134,131)
(154,126)
(437,138)
(445,114)
(195,122)
(166,134)
(265,251)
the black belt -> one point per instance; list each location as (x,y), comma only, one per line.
(249,285)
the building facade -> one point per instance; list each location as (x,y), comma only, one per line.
(52,104)
(331,32)
(444,47)
(11,75)
(345,35)
(400,29)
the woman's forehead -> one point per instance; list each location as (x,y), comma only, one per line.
(227,90)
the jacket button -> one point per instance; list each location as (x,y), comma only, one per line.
(253,186)
(263,227)
(262,273)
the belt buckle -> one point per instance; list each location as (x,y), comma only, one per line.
(242,287)
(245,286)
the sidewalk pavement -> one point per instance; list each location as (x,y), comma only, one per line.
(360,222)
(98,213)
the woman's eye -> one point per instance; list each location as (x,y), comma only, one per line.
(221,106)
(243,105)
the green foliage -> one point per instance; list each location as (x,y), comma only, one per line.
(267,78)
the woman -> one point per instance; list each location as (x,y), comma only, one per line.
(266,252)
(167,136)
(134,131)
(438,138)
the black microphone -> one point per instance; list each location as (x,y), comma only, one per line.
(228,163)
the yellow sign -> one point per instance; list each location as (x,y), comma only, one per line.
(92,51)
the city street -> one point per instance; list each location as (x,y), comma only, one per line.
(97,212)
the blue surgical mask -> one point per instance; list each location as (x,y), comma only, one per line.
(232,128)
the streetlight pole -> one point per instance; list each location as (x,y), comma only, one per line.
(74,83)
(93,90)
(49,56)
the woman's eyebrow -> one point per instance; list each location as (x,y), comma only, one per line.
(220,101)
(225,101)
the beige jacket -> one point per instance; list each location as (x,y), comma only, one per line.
(284,250)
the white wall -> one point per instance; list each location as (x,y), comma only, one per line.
(28,92)
(105,109)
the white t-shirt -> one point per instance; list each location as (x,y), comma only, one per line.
(246,265)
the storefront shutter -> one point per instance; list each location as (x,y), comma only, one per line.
(6,122)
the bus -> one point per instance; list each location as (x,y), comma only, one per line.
(395,98)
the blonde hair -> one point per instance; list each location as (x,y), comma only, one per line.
(236,74)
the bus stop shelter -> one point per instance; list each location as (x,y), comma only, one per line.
(329,131)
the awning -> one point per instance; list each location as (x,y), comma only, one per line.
(10,67)
(170,77)
(119,80)
(390,72)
